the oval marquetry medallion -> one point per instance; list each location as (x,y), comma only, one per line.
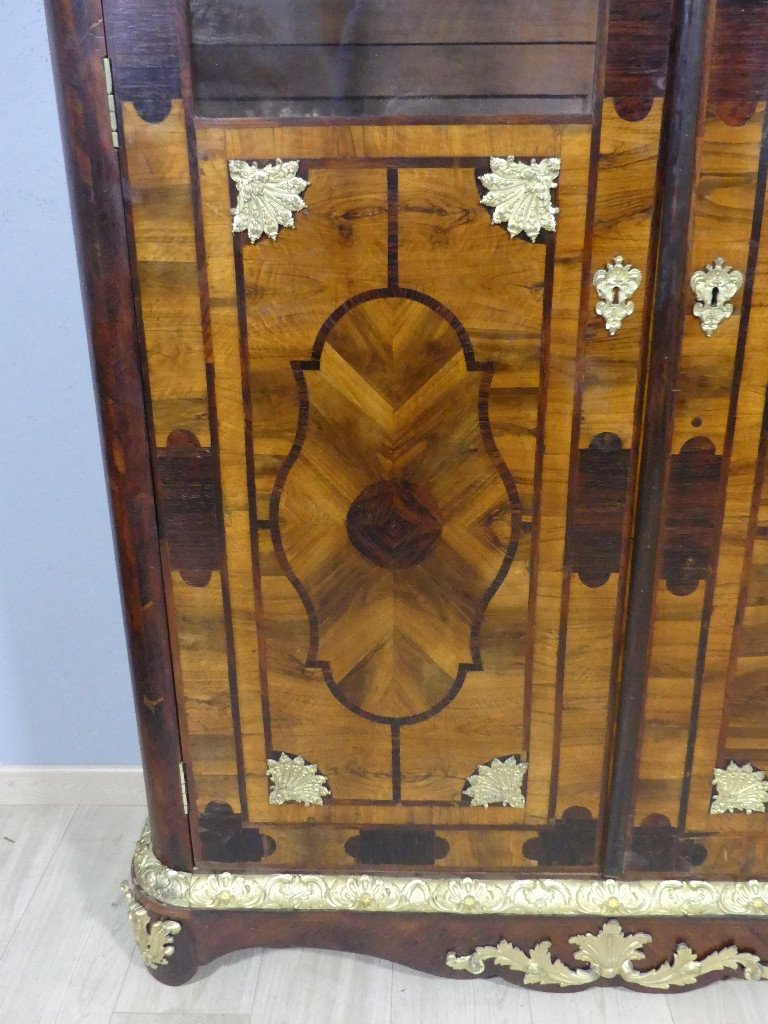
(394,516)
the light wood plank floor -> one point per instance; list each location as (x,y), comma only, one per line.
(67,957)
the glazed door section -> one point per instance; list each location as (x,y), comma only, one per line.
(395,451)
(392,58)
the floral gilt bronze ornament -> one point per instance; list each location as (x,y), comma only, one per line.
(500,782)
(608,954)
(520,194)
(267,197)
(739,788)
(295,781)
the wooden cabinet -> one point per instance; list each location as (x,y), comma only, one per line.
(430,340)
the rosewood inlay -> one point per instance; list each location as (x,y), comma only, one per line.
(394,524)
(693,497)
(397,846)
(189,524)
(223,838)
(569,841)
(658,846)
(597,539)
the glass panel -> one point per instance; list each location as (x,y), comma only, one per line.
(401,58)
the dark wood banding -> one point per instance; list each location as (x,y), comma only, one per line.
(245,373)
(638,52)
(144,48)
(405,846)
(692,516)
(569,841)
(393,271)
(188,495)
(739,75)
(598,536)
(183,28)
(223,839)
(659,846)
(541,416)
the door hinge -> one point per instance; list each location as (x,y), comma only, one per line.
(111,102)
(183,784)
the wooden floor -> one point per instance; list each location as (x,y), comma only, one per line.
(67,957)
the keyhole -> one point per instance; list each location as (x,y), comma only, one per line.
(715,293)
(616,294)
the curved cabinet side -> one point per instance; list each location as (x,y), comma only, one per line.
(78,48)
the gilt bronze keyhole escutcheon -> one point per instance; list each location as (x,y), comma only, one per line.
(615,285)
(714,287)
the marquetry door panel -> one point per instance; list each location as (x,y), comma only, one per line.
(395,444)
(706,689)
(387,554)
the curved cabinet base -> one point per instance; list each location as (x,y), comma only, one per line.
(659,949)
(424,942)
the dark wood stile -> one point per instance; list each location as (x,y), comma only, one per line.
(78,48)
(683,113)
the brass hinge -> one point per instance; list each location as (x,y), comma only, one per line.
(111,102)
(183,783)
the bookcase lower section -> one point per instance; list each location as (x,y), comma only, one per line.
(557,934)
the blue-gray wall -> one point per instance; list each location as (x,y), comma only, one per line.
(64,689)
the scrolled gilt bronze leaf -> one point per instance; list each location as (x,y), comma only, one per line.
(615,284)
(154,939)
(608,954)
(267,197)
(520,194)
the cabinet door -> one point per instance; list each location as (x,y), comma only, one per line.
(699,796)
(394,441)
